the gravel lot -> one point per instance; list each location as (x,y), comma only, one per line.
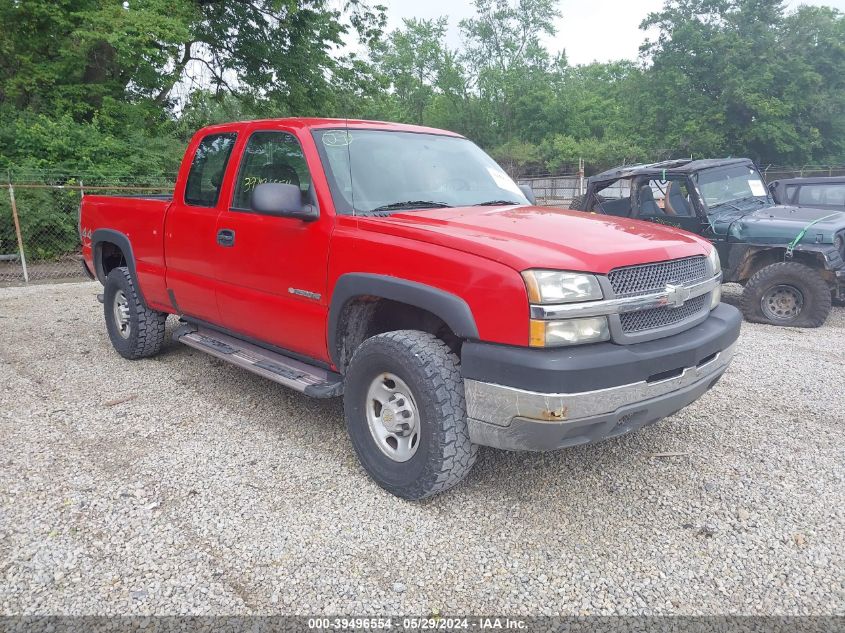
(182,485)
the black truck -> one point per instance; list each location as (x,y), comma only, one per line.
(790,259)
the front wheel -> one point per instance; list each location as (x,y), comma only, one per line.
(787,293)
(405,413)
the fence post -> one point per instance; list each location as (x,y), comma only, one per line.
(580,176)
(18,231)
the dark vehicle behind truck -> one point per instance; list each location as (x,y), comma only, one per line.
(790,259)
(820,193)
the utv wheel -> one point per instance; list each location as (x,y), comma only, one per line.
(405,413)
(787,293)
(577,203)
(135,331)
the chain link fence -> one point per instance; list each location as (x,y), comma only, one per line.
(39,215)
(39,233)
(556,191)
(773,172)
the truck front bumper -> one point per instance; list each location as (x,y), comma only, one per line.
(528,399)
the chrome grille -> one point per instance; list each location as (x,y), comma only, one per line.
(646,278)
(661,317)
(634,280)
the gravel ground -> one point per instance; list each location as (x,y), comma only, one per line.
(181,485)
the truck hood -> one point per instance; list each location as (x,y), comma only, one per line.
(781,223)
(525,237)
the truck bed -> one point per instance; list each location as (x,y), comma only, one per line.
(140,218)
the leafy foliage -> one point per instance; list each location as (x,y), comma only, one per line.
(114,87)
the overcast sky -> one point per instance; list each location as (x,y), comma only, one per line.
(589,30)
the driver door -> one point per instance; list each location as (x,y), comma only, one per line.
(272,270)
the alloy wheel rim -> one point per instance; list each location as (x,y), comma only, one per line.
(782,302)
(121,314)
(393,417)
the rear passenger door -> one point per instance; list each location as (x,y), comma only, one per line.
(190,228)
(273,273)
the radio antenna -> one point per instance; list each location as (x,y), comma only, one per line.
(348,141)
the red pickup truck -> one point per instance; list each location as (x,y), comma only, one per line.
(400,266)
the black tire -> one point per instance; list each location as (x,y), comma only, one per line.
(577,203)
(444,454)
(145,332)
(813,292)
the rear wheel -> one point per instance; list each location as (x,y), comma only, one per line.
(135,331)
(787,293)
(405,413)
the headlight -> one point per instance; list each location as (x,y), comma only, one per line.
(715,269)
(553,286)
(714,261)
(715,297)
(569,332)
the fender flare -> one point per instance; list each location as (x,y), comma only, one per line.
(450,308)
(122,242)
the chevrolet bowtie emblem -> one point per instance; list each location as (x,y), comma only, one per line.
(676,295)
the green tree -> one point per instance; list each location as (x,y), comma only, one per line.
(814,45)
(505,57)
(411,60)
(115,72)
(741,77)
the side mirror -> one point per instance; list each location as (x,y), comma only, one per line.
(283,200)
(529,193)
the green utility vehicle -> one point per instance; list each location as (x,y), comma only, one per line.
(790,260)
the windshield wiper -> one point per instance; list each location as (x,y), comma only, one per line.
(729,203)
(412,204)
(733,203)
(494,203)
(751,199)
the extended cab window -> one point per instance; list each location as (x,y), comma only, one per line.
(270,157)
(208,168)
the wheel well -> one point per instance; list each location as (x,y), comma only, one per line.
(363,317)
(755,259)
(110,257)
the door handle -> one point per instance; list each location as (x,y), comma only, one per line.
(226,237)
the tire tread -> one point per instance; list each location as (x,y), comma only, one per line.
(151,323)
(441,367)
(821,300)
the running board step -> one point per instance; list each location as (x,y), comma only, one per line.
(310,380)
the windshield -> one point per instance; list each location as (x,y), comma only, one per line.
(731,186)
(380,172)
